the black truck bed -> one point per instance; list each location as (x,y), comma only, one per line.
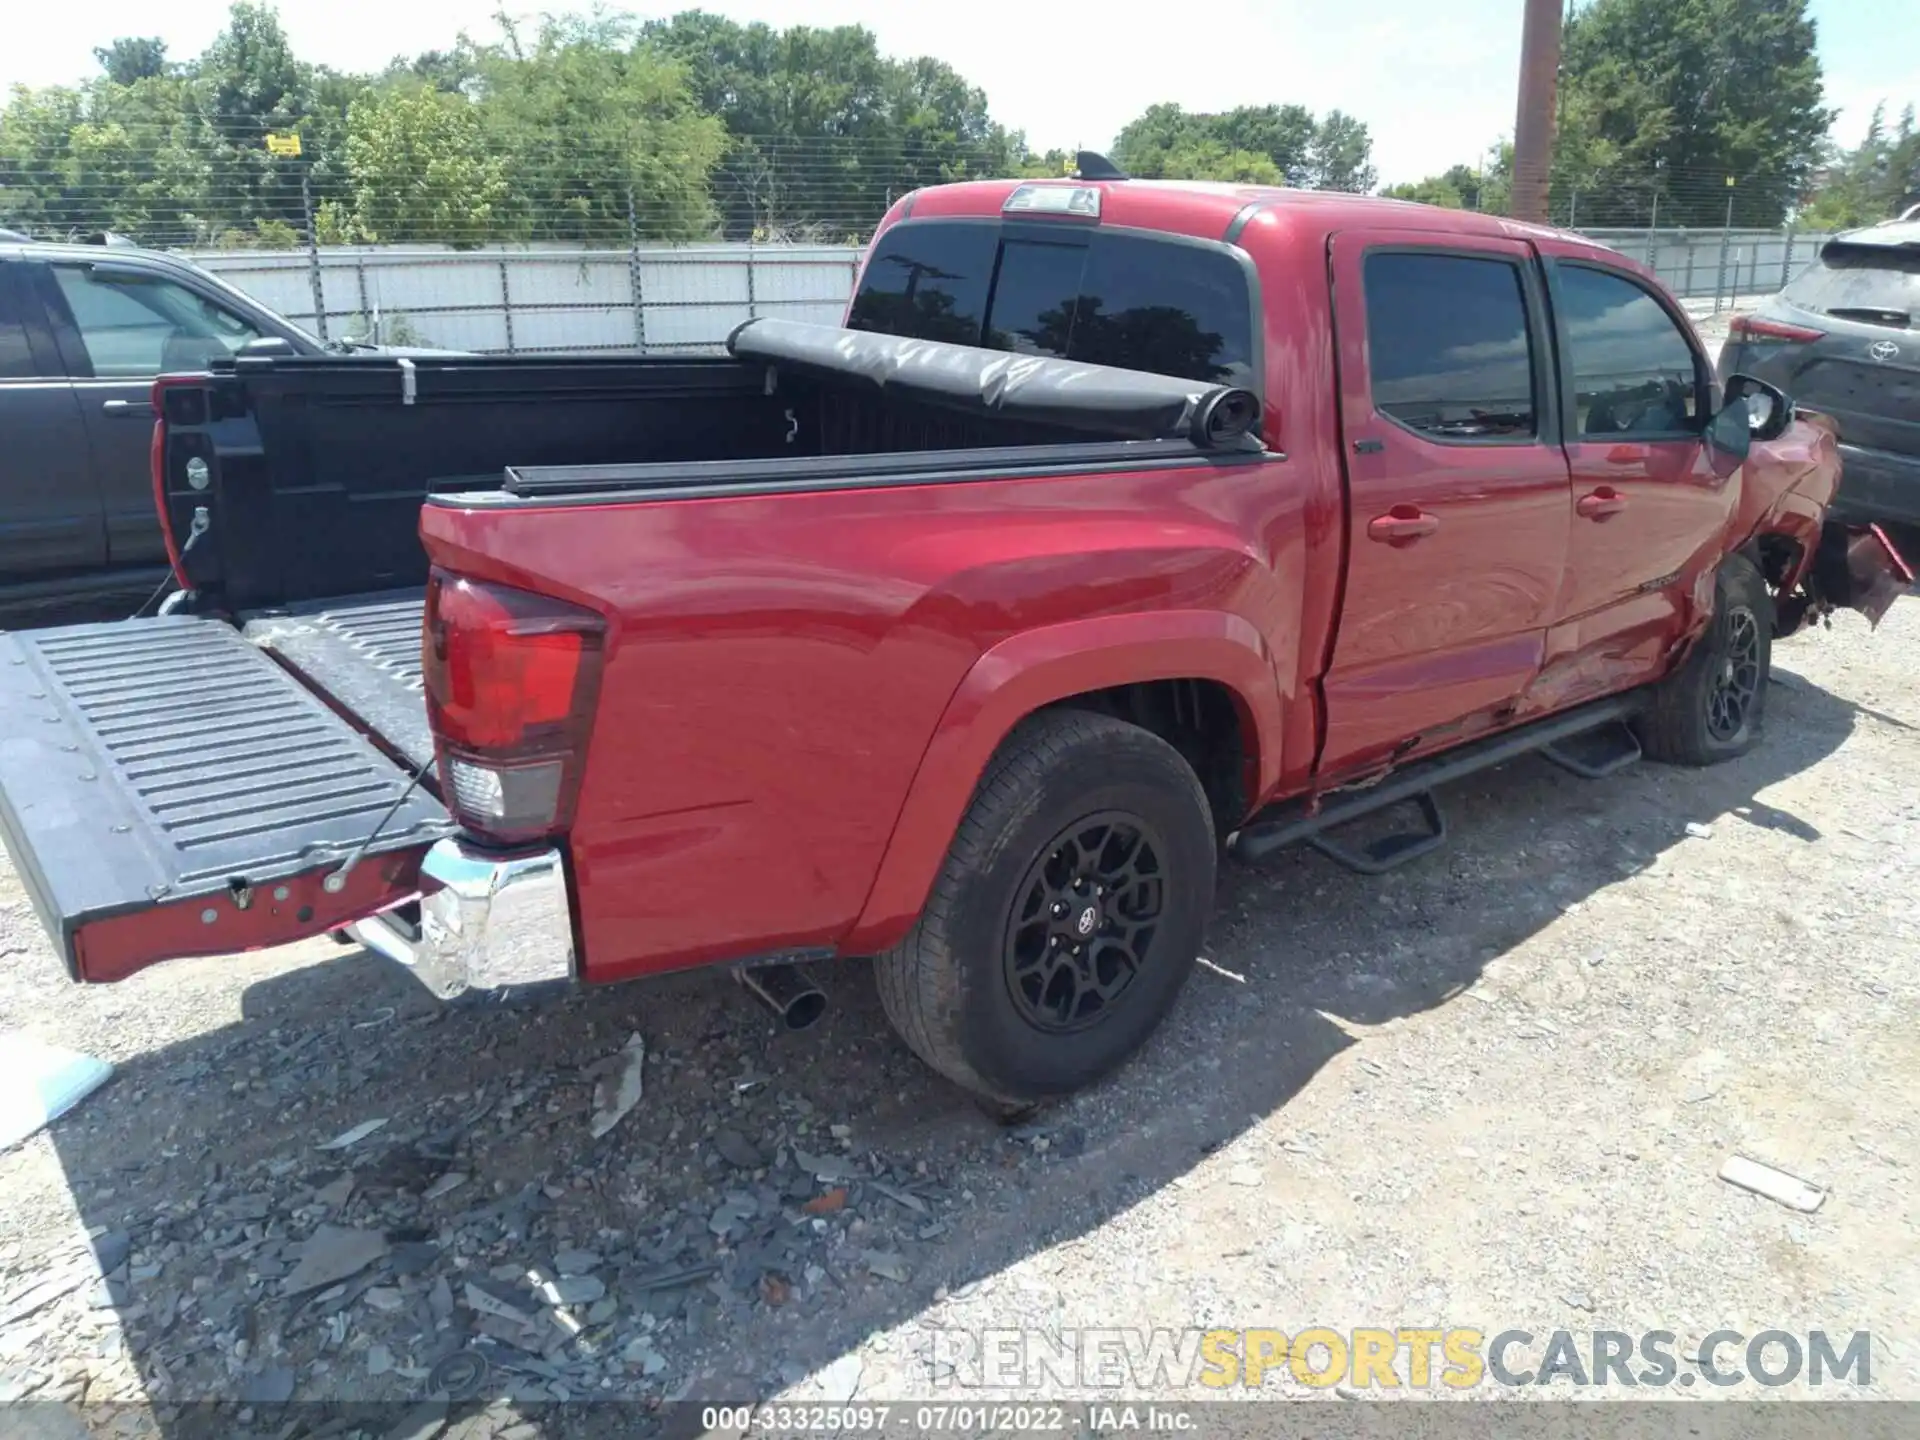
(361,652)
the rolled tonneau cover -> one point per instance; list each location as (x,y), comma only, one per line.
(1130,403)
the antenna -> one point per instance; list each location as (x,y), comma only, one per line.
(1091,165)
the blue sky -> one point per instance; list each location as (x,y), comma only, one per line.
(1435,82)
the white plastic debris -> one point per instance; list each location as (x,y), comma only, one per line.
(41,1083)
(1776,1185)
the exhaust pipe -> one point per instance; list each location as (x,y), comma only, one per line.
(786,991)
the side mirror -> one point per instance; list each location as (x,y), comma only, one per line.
(1769,412)
(268,345)
(1730,435)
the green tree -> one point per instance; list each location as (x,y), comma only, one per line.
(595,131)
(1204,158)
(1442,190)
(1877,179)
(36,169)
(133,58)
(137,162)
(420,170)
(823,131)
(1341,155)
(1262,144)
(1673,97)
(252,86)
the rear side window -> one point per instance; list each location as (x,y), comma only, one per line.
(16,359)
(1139,302)
(1634,374)
(929,282)
(1448,349)
(1873,283)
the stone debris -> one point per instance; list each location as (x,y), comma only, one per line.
(828,1169)
(335,1192)
(737,1150)
(491,1297)
(354,1136)
(335,1253)
(576,1262)
(620,1084)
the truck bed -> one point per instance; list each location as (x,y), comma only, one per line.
(258,767)
(362,652)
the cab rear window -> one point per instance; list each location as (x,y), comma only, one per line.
(1141,302)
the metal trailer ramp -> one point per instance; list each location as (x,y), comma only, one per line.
(168,789)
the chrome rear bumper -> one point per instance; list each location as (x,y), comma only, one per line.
(487,922)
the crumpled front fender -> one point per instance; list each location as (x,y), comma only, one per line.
(1854,567)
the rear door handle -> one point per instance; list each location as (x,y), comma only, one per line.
(1402,522)
(124,409)
(1600,504)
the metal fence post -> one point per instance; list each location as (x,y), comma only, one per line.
(1686,242)
(506,303)
(313,251)
(633,275)
(1786,259)
(1653,229)
(753,312)
(1726,244)
(366,308)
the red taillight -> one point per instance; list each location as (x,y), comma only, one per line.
(511,679)
(1752,327)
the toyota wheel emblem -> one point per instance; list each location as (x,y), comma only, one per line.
(1883,350)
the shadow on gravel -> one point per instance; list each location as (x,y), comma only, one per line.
(773,1200)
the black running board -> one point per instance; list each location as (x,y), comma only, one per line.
(1389,852)
(1595,754)
(1293,821)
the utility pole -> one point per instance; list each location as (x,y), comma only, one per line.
(1533,120)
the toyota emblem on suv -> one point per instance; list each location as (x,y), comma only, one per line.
(1883,350)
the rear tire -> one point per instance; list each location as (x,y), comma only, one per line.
(1084,832)
(1712,708)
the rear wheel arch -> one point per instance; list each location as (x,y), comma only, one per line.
(1167,665)
(1066,914)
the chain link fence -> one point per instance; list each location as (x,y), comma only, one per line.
(529,300)
(526,301)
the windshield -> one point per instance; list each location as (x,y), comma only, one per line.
(1133,300)
(253,305)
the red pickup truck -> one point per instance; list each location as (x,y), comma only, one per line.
(1124,521)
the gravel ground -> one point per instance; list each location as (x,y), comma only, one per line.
(1492,1090)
